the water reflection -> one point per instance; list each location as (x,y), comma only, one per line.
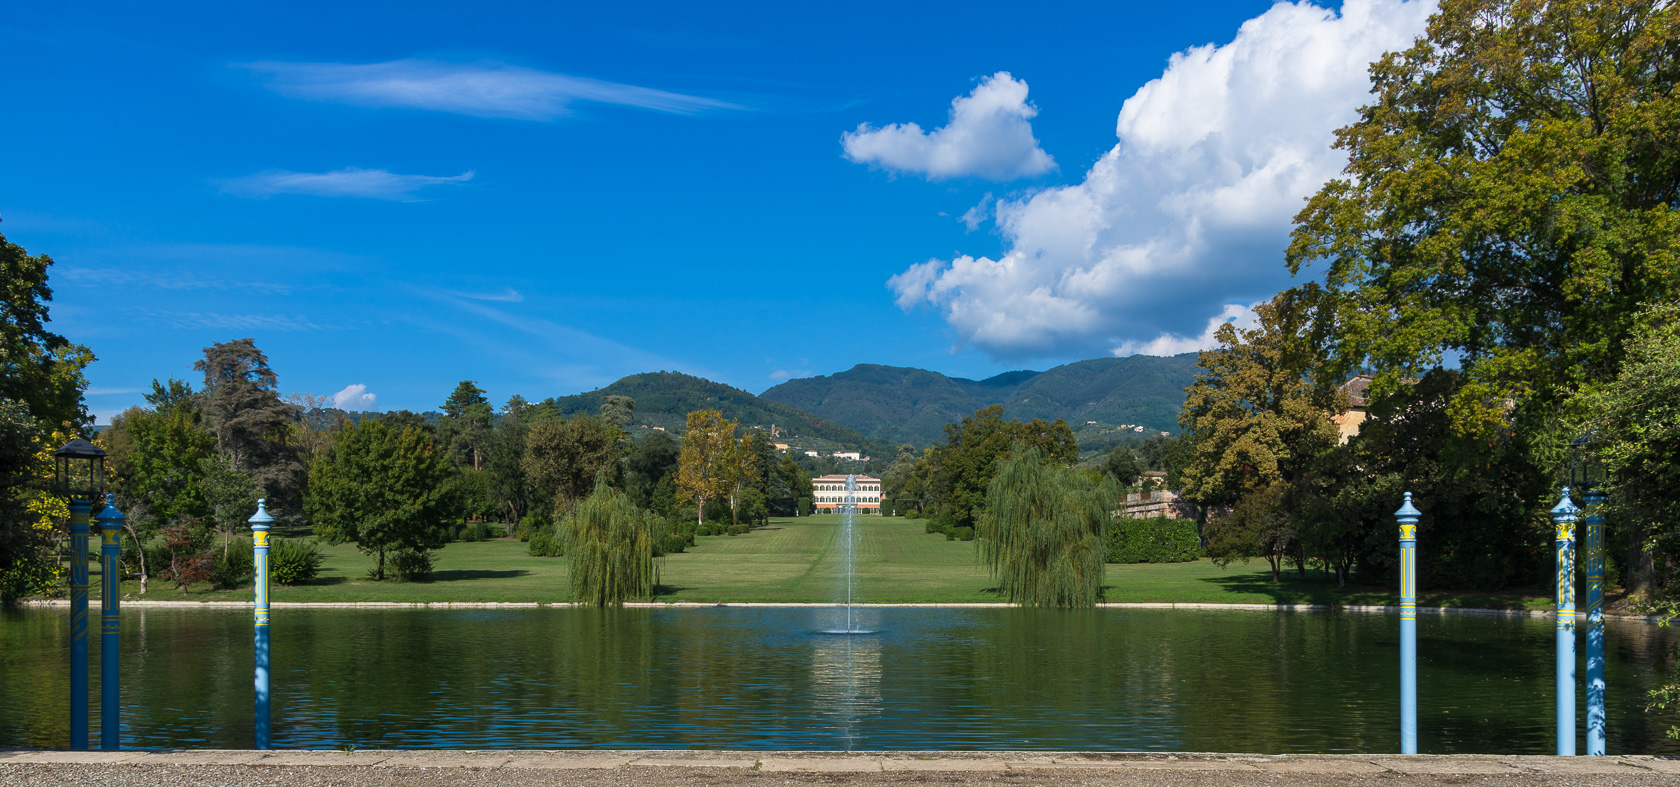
(767,678)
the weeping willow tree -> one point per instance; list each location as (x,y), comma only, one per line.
(1042,533)
(610,543)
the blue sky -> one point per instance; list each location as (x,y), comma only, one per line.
(545,198)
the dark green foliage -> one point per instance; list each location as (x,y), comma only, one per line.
(464,428)
(666,398)
(233,565)
(1153,540)
(547,541)
(412,565)
(959,470)
(472,531)
(904,405)
(912,514)
(1123,466)
(804,504)
(242,408)
(292,561)
(384,490)
(565,458)
(1042,532)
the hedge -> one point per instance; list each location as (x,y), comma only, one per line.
(1153,540)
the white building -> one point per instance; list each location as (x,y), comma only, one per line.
(828,494)
(855,456)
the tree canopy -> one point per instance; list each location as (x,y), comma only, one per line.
(1042,532)
(387,490)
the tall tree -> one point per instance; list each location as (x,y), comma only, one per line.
(386,490)
(610,546)
(1509,203)
(1254,417)
(702,467)
(618,410)
(963,465)
(1042,531)
(466,424)
(41,384)
(565,458)
(243,407)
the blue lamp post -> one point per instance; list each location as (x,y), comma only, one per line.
(80,478)
(1563,515)
(1408,518)
(260,523)
(110,637)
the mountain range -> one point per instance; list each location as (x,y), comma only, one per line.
(873,407)
(905,405)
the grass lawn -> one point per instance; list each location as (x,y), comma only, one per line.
(801,560)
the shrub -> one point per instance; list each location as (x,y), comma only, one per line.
(292,561)
(963,533)
(1153,540)
(912,514)
(473,531)
(233,564)
(412,565)
(804,504)
(736,530)
(548,542)
(529,524)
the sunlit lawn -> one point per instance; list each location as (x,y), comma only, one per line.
(802,560)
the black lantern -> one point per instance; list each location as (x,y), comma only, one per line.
(81,471)
(1586,472)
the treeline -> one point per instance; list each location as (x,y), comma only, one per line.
(192,464)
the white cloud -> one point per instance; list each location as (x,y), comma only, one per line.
(479,89)
(1191,211)
(508,295)
(989,135)
(348,182)
(977,215)
(356,398)
(1172,344)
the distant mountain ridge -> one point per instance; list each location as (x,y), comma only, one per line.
(666,398)
(907,405)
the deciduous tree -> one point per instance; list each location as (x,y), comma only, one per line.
(1042,531)
(386,490)
(702,467)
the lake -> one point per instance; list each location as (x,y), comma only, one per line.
(769,678)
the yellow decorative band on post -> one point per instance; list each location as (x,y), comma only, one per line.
(1566,531)
(259,538)
(1408,532)
(108,537)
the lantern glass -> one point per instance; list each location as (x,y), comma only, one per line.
(1585,470)
(80,472)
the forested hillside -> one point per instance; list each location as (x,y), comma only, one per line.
(900,404)
(666,398)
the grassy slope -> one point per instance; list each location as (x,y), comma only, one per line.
(799,560)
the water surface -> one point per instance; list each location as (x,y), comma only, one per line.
(771,678)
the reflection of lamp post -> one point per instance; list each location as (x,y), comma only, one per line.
(110,632)
(1408,519)
(1564,516)
(79,477)
(260,523)
(1587,474)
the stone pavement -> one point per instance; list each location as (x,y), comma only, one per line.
(610,767)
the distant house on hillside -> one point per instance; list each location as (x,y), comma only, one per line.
(855,456)
(1161,502)
(830,494)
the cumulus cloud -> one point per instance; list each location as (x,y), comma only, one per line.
(479,89)
(1173,344)
(989,135)
(348,182)
(1190,212)
(356,398)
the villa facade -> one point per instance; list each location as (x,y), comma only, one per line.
(828,494)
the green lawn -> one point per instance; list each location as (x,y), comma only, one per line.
(801,560)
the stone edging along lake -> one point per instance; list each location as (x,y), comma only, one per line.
(1360,608)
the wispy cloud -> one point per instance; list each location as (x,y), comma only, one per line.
(115,277)
(225,321)
(784,374)
(348,182)
(479,89)
(509,295)
(102,390)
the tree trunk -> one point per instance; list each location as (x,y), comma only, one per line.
(379,573)
(700,517)
(139,549)
(1640,568)
(1277,564)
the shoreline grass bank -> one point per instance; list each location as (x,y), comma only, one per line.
(799,560)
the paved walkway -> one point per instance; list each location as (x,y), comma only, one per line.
(606,767)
